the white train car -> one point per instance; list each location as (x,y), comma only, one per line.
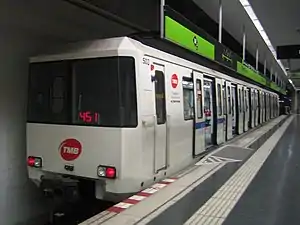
(122,115)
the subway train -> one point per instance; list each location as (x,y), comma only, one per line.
(116,115)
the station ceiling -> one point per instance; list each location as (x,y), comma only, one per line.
(280,20)
(55,21)
(235,18)
(61,21)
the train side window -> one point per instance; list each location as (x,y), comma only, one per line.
(188,98)
(219,100)
(229,100)
(199,99)
(160,99)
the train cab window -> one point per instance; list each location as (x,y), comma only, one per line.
(199,99)
(160,99)
(106,90)
(229,100)
(188,98)
(48,93)
(219,93)
(88,92)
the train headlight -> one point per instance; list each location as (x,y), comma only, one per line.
(107,172)
(34,161)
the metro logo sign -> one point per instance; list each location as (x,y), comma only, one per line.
(174,80)
(70,149)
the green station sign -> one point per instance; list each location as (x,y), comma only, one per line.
(177,33)
(185,37)
(250,73)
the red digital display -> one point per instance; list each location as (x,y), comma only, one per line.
(89,117)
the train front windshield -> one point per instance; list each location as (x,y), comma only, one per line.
(91,92)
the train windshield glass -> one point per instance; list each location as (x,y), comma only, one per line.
(95,92)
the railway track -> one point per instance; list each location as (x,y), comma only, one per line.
(73,214)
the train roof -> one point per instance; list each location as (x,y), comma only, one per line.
(89,49)
(130,45)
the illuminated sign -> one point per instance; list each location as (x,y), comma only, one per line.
(89,117)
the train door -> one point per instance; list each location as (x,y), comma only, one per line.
(229,114)
(208,111)
(234,109)
(271,103)
(256,107)
(274,107)
(240,109)
(252,108)
(224,108)
(271,106)
(246,107)
(271,100)
(267,107)
(160,127)
(199,131)
(219,112)
(277,105)
(263,107)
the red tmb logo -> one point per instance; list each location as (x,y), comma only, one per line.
(70,149)
(174,81)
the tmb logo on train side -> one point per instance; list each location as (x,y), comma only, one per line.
(70,149)
(174,80)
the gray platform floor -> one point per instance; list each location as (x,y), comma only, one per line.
(273,197)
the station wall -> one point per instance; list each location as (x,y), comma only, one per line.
(19,198)
(28,28)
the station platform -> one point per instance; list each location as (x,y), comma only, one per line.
(252,179)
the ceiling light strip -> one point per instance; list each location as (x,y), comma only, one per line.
(259,27)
